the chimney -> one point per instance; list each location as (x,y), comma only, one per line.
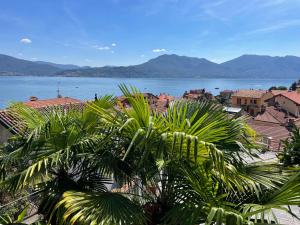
(33,98)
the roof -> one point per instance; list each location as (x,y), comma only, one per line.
(278,92)
(276,131)
(52,102)
(249,93)
(292,95)
(232,109)
(165,97)
(10,121)
(227,91)
(272,115)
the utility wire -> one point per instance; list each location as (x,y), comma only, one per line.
(7,204)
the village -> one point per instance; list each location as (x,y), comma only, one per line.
(270,113)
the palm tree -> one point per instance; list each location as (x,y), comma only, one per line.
(184,166)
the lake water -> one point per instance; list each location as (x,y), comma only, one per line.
(14,89)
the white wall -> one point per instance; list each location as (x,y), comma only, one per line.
(288,105)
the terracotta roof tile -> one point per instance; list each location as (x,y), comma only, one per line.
(278,92)
(272,115)
(277,132)
(293,96)
(249,93)
(12,122)
(52,102)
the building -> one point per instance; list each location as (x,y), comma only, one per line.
(270,96)
(252,101)
(151,98)
(198,94)
(163,102)
(290,102)
(272,126)
(10,124)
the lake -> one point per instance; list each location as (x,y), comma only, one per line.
(14,89)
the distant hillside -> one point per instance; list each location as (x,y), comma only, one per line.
(265,66)
(162,66)
(13,66)
(60,66)
(246,66)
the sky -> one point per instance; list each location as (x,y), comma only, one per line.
(128,32)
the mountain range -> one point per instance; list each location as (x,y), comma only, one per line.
(164,66)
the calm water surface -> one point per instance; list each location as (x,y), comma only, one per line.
(14,89)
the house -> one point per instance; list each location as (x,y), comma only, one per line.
(270,135)
(10,124)
(198,94)
(151,98)
(272,127)
(270,96)
(251,101)
(290,102)
(163,102)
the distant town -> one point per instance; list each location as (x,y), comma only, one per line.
(271,113)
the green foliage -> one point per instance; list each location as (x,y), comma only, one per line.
(185,166)
(294,85)
(277,88)
(291,150)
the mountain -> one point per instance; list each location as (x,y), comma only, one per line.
(246,66)
(13,66)
(60,66)
(162,66)
(258,66)
(20,67)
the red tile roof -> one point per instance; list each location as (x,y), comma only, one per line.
(52,102)
(249,93)
(12,122)
(165,97)
(272,115)
(277,132)
(293,96)
(278,92)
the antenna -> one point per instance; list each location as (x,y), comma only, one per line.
(58,91)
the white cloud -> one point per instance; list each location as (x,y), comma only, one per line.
(269,3)
(103,48)
(20,54)
(25,41)
(114,44)
(112,52)
(33,58)
(275,27)
(142,56)
(157,50)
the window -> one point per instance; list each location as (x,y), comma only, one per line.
(246,101)
(239,101)
(255,102)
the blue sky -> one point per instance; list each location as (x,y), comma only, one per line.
(124,32)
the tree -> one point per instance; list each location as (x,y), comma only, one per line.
(277,88)
(291,149)
(294,85)
(184,166)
